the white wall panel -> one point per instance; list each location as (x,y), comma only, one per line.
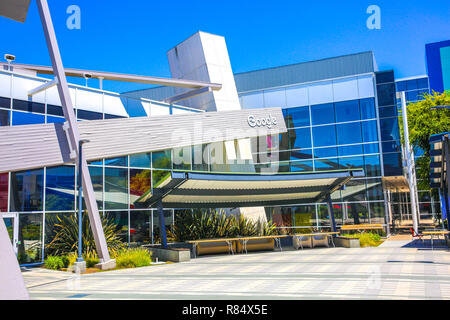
(5,85)
(366,86)
(297,96)
(113,105)
(88,100)
(21,86)
(275,98)
(320,92)
(159,110)
(252,100)
(345,89)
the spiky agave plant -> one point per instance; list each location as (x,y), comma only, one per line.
(65,240)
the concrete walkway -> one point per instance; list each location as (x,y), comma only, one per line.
(395,270)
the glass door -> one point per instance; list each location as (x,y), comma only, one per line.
(11,223)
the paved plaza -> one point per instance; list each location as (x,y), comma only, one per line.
(395,270)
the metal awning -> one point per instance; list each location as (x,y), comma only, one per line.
(188,189)
(396,184)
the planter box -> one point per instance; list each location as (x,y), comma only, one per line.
(170,254)
(347,242)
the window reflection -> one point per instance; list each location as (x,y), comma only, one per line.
(26,190)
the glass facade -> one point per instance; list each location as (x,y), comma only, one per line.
(335,124)
(331,125)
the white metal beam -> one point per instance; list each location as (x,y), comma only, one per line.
(43,87)
(187,95)
(80,73)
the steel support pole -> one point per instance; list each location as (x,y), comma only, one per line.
(74,136)
(331,213)
(409,164)
(80,206)
(162,225)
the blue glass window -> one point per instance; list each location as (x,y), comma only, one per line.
(118,162)
(96,174)
(141,160)
(325,152)
(112,116)
(22,118)
(298,166)
(326,164)
(389,129)
(324,136)
(351,163)
(300,154)
(51,119)
(392,164)
(29,106)
(385,76)
(4,118)
(385,112)
(391,146)
(401,86)
(89,115)
(371,148)
(372,167)
(300,138)
(422,83)
(96,162)
(411,84)
(299,117)
(412,95)
(322,113)
(386,94)
(374,189)
(351,150)
(347,111)
(349,133)
(370,131)
(367,107)
(162,159)
(116,188)
(5,103)
(27,190)
(55,110)
(60,188)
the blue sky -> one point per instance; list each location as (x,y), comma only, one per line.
(134,36)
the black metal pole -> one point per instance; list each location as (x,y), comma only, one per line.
(331,213)
(162,225)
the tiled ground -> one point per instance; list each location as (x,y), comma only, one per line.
(395,270)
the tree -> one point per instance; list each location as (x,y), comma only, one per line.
(422,123)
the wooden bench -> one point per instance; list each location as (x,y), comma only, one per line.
(361,227)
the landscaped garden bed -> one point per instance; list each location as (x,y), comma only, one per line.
(366,239)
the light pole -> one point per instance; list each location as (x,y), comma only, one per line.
(410,166)
(80,265)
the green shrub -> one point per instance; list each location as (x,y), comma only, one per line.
(210,224)
(366,239)
(54,262)
(133,258)
(65,239)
